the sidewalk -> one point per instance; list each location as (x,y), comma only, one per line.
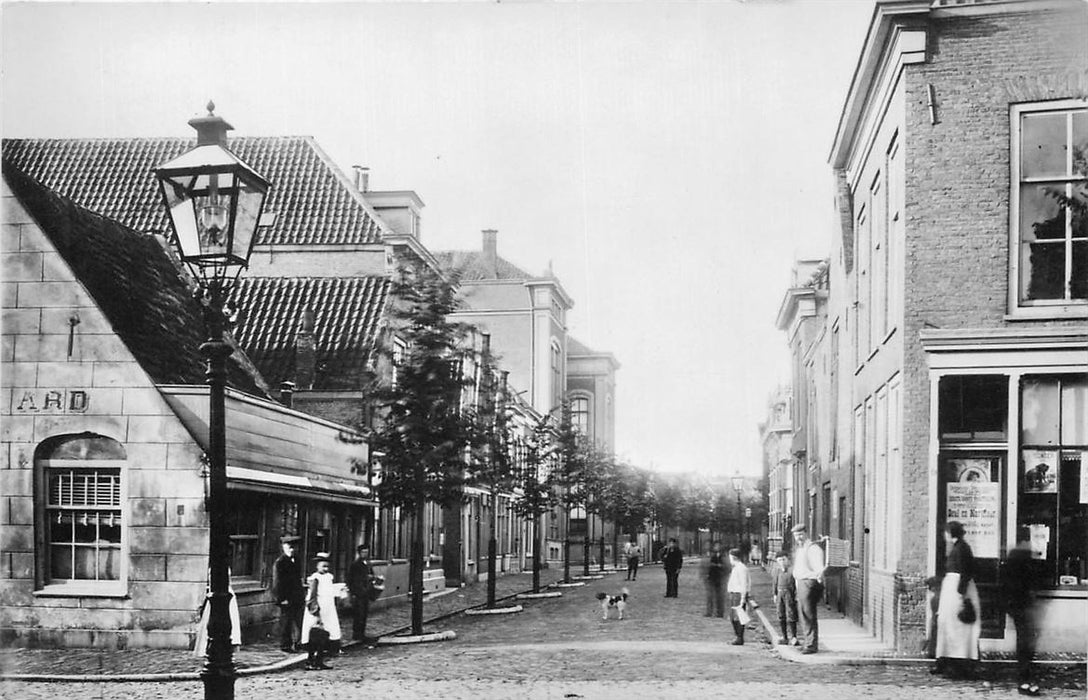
(258,657)
(844,642)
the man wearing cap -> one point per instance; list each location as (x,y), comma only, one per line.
(360,585)
(808,572)
(287,589)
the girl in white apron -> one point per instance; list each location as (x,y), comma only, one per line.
(320,623)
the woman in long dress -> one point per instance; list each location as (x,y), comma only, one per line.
(200,648)
(321,595)
(957,640)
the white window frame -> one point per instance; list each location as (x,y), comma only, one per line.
(84,587)
(1040,308)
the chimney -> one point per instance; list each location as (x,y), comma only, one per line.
(491,254)
(287,393)
(362,178)
(305,352)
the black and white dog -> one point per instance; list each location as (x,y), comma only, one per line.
(608,602)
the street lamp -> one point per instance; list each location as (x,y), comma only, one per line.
(738,486)
(214,202)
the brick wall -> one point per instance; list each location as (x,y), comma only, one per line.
(957,196)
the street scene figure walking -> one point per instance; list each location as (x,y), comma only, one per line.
(633,552)
(740,589)
(808,573)
(672,560)
(321,623)
(1019,582)
(784,595)
(959,626)
(289,593)
(361,586)
(715,571)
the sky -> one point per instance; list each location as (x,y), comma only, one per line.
(667,159)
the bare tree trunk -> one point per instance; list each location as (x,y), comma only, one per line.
(415,570)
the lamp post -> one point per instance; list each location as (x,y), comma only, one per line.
(738,486)
(214,202)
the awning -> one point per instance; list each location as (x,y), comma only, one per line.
(312,487)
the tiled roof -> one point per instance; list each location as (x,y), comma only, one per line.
(472,267)
(577,347)
(314,201)
(347,314)
(135,284)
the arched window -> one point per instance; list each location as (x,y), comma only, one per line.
(80,513)
(579,414)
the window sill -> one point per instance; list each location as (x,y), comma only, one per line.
(83,590)
(1048,313)
(1069,592)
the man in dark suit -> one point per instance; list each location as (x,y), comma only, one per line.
(361,585)
(673,559)
(288,591)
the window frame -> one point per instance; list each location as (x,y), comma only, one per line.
(45,584)
(1039,308)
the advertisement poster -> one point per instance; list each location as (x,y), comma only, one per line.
(1084,477)
(1040,471)
(977,504)
(970,469)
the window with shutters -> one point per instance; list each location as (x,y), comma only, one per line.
(81,518)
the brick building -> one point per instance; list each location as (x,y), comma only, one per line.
(958,306)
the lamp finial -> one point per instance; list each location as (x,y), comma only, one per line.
(211,108)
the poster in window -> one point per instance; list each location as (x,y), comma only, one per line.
(977,505)
(1040,539)
(1084,477)
(970,469)
(1040,471)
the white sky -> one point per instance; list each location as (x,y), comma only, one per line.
(670,159)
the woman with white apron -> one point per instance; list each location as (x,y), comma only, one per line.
(320,623)
(959,626)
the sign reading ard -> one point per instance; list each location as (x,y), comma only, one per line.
(51,401)
(977,505)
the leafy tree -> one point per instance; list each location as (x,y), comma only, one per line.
(571,469)
(422,432)
(492,466)
(533,479)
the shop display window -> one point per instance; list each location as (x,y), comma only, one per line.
(1053,475)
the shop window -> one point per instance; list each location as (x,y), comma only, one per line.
(245,530)
(1053,475)
(973,408)
(81,518)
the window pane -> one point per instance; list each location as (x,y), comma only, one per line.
(110,533)
(108,558)
(1073,520)
(86,563)
(60,562)
(973,407)
(86,448)
(1039,412)
(1043,270)
(1078,282)
(1043,145)
(60,527)
(1075,411)
(1080,143)
(1042,216)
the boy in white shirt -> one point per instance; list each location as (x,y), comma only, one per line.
(739,588)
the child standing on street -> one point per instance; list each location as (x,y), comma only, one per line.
(784,591)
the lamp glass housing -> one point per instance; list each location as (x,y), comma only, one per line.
(214,201)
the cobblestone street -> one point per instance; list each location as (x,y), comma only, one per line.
(560,648)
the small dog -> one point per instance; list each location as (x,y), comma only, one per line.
(619,602)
